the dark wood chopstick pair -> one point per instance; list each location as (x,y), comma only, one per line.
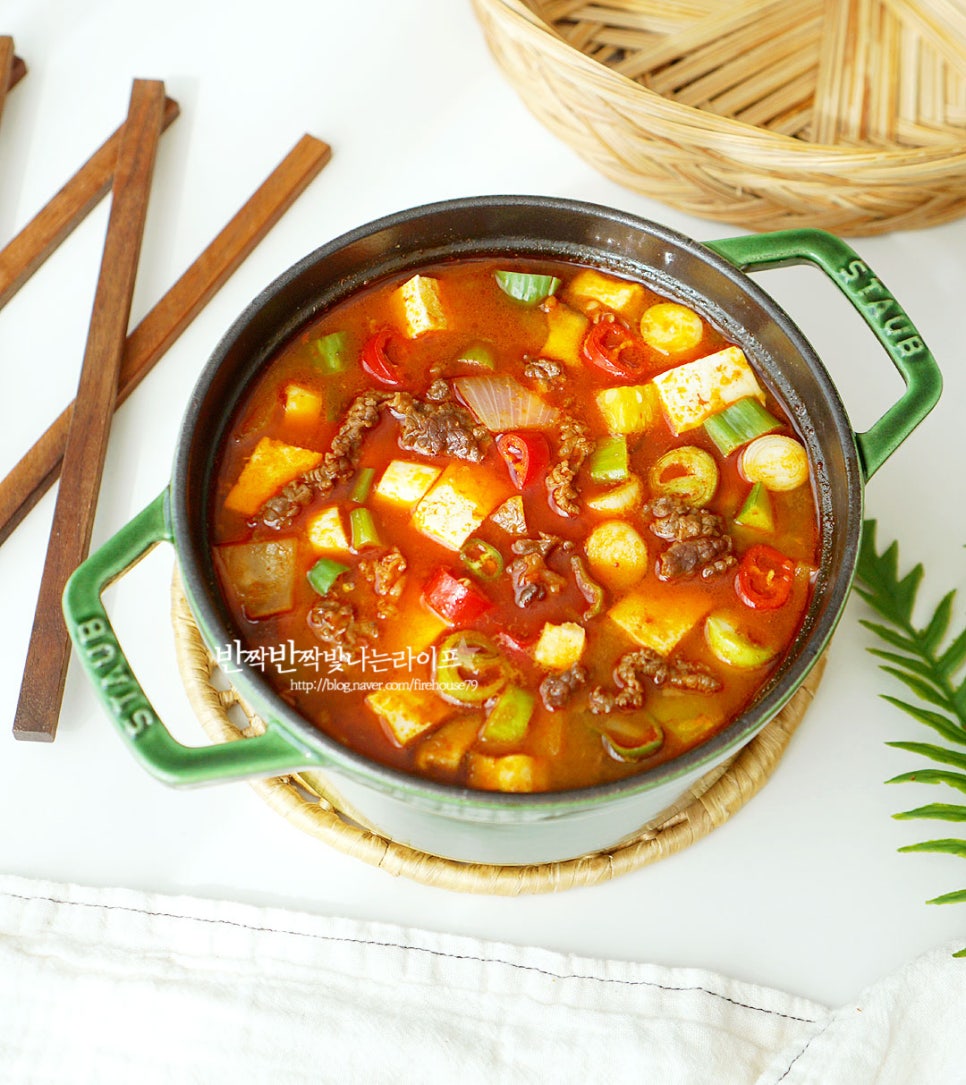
(114,363)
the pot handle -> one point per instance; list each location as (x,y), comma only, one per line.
(120,692)
(877,307)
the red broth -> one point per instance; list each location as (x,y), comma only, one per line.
(444,528)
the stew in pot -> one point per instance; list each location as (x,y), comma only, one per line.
(513,525)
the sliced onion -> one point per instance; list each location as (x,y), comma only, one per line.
(502,404)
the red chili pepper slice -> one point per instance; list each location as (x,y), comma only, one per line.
(375,359)
(456,600)
(526,456)
(614,348)
(765,577)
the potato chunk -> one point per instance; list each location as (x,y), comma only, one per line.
(617,554)
(658,620)
(671,328)
(631,408)
(592,289)
(566,329)
(271,465)
(560,646)
(514,772)
(302,406)
(693,392)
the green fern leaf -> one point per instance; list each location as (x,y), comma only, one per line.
(925,691)
(933,633)
(946,727)
(939,811)
(935,753)
(954,656)
(931,776)
(890,636)
(917,658)
(913,664)
(959,701)
(946,847)
(958,897)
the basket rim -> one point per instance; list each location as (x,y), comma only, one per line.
(713,125)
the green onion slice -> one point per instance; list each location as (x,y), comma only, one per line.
(756,512)
(608,461)
(362,485)
(739,423)
(731,646)
(651,742)
(469,668)
(331,352)
(687,472)
(324,573)
(362,528)
(509,718)
(528,289)
(482,559)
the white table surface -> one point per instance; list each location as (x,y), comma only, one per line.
(803,890)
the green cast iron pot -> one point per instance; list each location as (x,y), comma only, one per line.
(444,820)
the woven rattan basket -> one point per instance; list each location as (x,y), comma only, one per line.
(309,801)
(849,115)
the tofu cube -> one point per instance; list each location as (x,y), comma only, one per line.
(591,288)
(691,393)
(657,621)
(271,465)
(566,329)
(407,713)
(325,531)
(560,646)
(422,308)
(514,772)
(631,408)
(458,503)
(404,482)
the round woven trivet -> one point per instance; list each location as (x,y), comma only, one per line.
(767,114)
(309,801)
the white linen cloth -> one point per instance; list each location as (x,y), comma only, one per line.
(109,985)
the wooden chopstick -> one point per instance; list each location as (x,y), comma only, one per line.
(7,59)
(12,67)
(42,688)
(65,211)
(17,72)
(30,479)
